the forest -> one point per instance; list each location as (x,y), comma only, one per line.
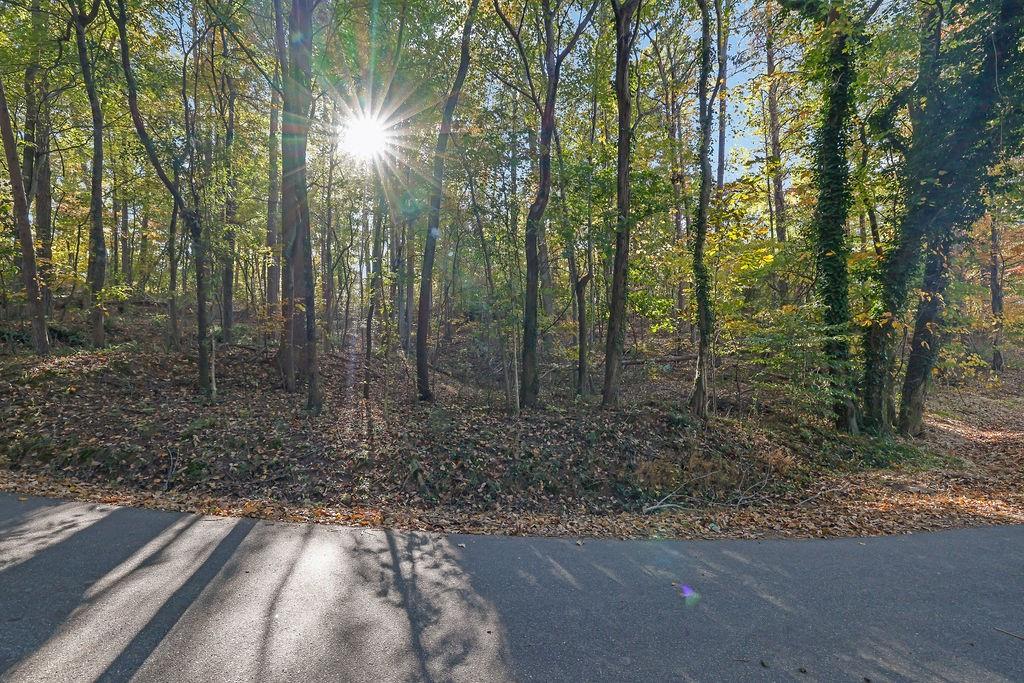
(629,267)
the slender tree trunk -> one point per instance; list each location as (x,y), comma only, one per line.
(97,269)
(995,281)
(326,252)
(195,231)
(35,154)
(142,262)
(867,199)
(777,170)
(189,216)
(40,341)
(529,386)
(700,395)
(434,213)
(273,198)
(126,255)
(115,225)
(230,205)
(33,101)
(723,90)
(375,284)
(625,36)
(409,282)
(172,292)
(44,207)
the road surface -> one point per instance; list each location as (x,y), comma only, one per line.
(93,592)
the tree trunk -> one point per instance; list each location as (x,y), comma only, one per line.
(326,251)
(195,231)
(172,292)
(295,121)
(828,223)
(273,198)
(995,281)
(924,345)
(723,90)
(295,197)
(375,284)
(950,143)
(190,216)
(126,254)
(777,171)
(625,36)
(40,341)
(230,204)
(551,63)
(44,208)
(409,282)
(97,268)
(434,213)
(700,395)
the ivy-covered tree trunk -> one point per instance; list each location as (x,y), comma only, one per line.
(828,224)
(900,262)
(700,395)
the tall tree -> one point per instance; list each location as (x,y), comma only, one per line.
(188,212)
(274,197)
(831,172)
(434,210)
(295,188)
(627,17)
(955,99)
(995,280)
(29,273)
(776,167)
(984,94)
(542,90)
(706,97)
(80,19)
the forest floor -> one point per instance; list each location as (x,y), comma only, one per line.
(126,425)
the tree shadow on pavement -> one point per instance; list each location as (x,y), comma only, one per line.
(153,633)
(157,596)
(39,593)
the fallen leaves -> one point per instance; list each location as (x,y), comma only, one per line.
(134,433)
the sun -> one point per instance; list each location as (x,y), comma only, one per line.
(366,137)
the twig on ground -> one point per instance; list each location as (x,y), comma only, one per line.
(661,504)
(1012,635)
(810,498)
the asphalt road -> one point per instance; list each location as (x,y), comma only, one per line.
(94,592)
